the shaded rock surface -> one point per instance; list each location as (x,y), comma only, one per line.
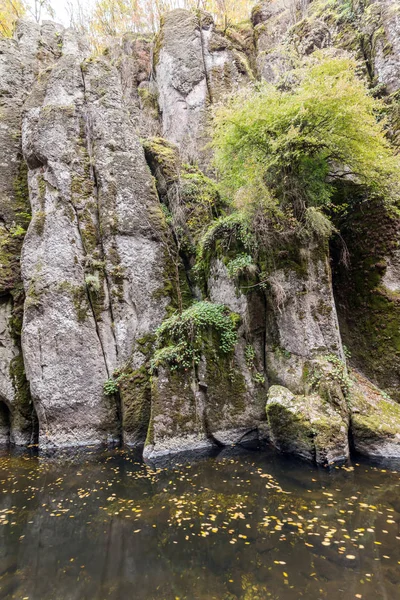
(375,420)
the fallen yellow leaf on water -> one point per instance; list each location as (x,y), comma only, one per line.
(350,556)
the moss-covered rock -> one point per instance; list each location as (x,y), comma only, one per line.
(176,422)
(164,161)
(367,292)
(375,420)
(135,394)
(307,426)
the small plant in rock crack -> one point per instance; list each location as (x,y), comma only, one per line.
(249,355)
(259,378)
(346,352)
(336,374)
(111,387)
(92,282)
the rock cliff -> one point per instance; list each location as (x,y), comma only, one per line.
(134,307)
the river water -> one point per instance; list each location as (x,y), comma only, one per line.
(243,525)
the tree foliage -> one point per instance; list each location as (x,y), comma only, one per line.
(294,146)
(10,11)
(115,17)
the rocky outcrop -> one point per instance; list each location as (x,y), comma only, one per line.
(367,293)
(65,358)
(272,21)
(382,27)
(307,426)
(33,48)
(195,66)
(375,420)
(93,256)
(133,58)
(19,419)
(301,320)
(112,225)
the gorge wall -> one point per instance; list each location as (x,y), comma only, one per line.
(107,188)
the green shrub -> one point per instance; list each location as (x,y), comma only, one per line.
(180,338)
(250,356)
(240,265)
(200,198)
(299,143)
(317,223)
(110,387)
(233,228)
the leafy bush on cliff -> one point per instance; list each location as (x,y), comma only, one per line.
(297,144)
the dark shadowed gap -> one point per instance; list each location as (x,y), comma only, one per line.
(5,425)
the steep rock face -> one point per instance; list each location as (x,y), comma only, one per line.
(135,243)
(16,410)
(367,294)
(64,355)
(94,255)
(129,210)
(382,25)
(308,426)
(375,420)
(215,404)
(287,31)
(272,21)
(366,284)
(33,48)
(110,250)
(195,66)
(250,349)
(177,422)
(133,58)
(301,317)
(222,399)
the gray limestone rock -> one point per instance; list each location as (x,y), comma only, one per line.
(301,318)
(382,25)
(109,250)
(307,426)
(64,355)
(195,66)
(21,58)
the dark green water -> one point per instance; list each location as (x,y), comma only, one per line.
(251,525)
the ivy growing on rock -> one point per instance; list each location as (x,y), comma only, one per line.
(240,265)
(179,339)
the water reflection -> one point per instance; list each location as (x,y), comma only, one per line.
(248,525)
